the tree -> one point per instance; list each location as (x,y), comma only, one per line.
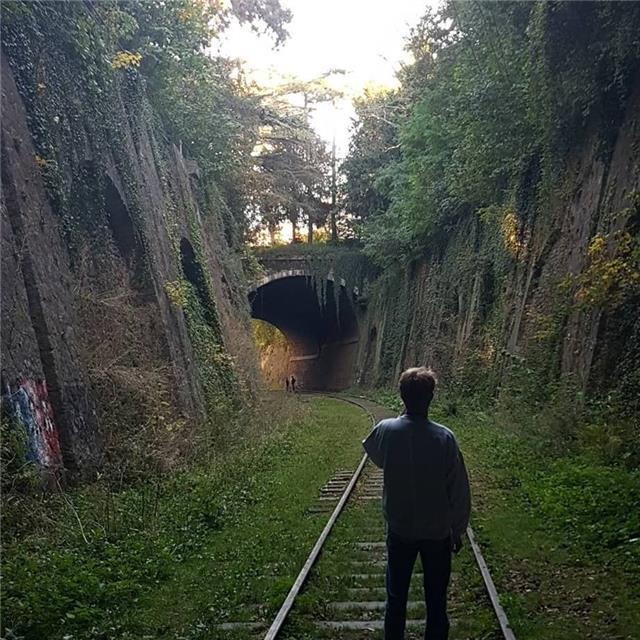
(292,171)
(316,91)
(202,99)
(291,168)
(373,149)
(495,97)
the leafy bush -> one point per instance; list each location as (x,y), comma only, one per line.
(497,95)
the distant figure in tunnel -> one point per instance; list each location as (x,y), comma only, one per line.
(426,501)
(293,384)
(286,382)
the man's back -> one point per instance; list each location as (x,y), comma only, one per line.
(426,503)
(426,494)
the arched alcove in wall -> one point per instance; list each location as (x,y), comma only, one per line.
(126,238)
(192,270)
(120,223)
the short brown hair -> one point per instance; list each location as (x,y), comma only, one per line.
(416,388)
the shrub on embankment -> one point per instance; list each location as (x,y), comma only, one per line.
(177,555)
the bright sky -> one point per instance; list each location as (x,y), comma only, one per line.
(363,37)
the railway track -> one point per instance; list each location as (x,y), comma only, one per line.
(344,596)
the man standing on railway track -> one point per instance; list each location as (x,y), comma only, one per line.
(426,502)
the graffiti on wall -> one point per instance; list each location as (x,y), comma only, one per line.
(28,404)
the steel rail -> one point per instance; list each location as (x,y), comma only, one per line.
(490,586)
(282,614)
(505,627)
(313,556)
(287,605)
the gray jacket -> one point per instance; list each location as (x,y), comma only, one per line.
(426,489)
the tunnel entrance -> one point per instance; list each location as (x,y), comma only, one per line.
(322,330)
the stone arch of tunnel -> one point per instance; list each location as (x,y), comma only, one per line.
(322,330)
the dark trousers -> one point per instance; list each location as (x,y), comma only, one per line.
(436,564)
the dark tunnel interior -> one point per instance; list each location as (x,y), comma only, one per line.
(322,331)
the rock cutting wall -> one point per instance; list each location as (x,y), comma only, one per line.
(95,289)
(550,288)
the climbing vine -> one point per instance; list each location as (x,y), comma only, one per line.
(469,196)
(100,82)
(324,262)
(609,279)
(178,293)
(215,363)
(73,95)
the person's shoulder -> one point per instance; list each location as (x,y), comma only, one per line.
(390,423)
(444,432)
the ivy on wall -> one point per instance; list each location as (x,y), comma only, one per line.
(465,179)
(343,262)
(84,72)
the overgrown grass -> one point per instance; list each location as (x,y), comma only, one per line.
(173,557)
(560,527)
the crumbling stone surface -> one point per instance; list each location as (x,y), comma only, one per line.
(39,339)
(80,319)
(455,306)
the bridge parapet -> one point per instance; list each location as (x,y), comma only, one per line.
(344,265)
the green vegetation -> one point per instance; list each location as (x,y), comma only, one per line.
(123,81)
(465,185)
(295,176)
(266,335)
(292,171)
(458,185)
(177,555)
(343,260)
(129,63)
(120,91)
(485,116)
(560,529)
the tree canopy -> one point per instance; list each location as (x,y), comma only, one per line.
(496,92)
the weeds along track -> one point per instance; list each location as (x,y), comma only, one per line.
(340,594)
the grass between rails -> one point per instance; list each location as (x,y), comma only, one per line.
(199,548)
(559,528)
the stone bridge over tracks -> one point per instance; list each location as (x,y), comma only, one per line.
(306,297)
